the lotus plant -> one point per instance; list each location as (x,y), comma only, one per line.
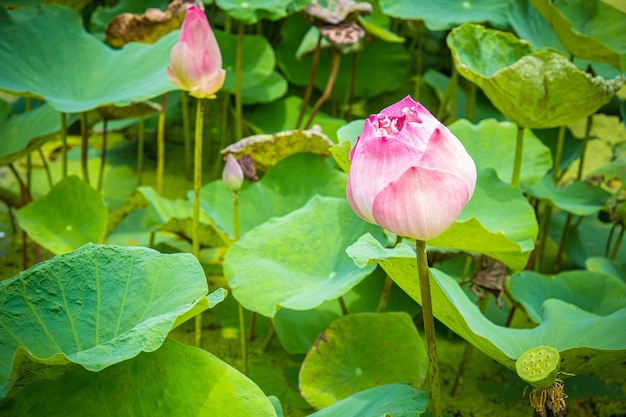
(412,176)
(196,63)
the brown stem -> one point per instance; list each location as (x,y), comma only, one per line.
(330,84)
(309,86)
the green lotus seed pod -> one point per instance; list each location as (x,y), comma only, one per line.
(538,366)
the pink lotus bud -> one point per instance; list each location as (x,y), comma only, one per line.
(196,59)
(232,174)
(409,173)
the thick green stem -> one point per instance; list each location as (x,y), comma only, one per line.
(558,155)
(141,135)
(429,328)
(449,96)
(239,83)
(84,146)
(330,84)
(242,318)
(517,164)
(197,183)
(160,171)
(63,146)
(103,155)
(184,105)
(309,87)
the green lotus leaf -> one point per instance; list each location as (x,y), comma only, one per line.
(606,266)
(252,12)
(593,292)
(151,384)
(270,89)
(399,400)
(540,89)
(591,30)
(267,150)
(485,226)
(355,353)
(578,198)
(583,339)
(287,186)
(69,216)
(446,14)
(257,68)
(176,216)
(292,262)
(491,144)
(298,329)
(20,134)
(48,54)
(97,306)
(133,110)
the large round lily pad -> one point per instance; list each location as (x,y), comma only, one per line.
(175,380)
(361,351)
(446,14)
(297,261)
(69,216)
(95,307)
(47,53)
(539,89)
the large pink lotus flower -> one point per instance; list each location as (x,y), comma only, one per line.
(409,173)
(196,59)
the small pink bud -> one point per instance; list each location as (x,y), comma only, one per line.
(232,174)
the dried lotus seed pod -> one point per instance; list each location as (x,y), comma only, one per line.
(538,366)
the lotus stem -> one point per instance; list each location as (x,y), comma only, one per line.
(451,91)
(470,101)
(583,155)
(384,296)
(617,244)
(558,155)
(184,105)
(63,146)
(330,84)
(25,199)
(46,167)
(559,255)
(429,328)
(29,159)
(419,60)
(343,306)
(517,164)
(351,89)
(309,87)
(161,146)
(242,317)
(197,183)
(141,135)
(103,155)
(84,144)
(223,133)
(544,226)
(239,82)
